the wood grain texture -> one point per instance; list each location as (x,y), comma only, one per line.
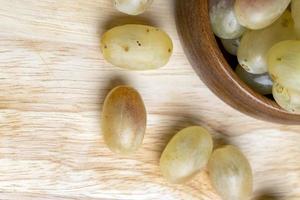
(209,62)
(53,81)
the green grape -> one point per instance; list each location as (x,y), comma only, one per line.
(258,14)
(231,174)
(252,52)
(123,120)
(136,47)
(296,15)
(186,154)
(132,7)
(231,45)
(223,19)
(288,99)
(261,83)
(284,63)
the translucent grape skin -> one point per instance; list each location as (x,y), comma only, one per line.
(261,83)
(296,15)
(258,14)
(136,47)
(231,45)
(252,52)
(288,99)
(231,174)
(284,63)
(123,120)
(186,154)
(223,20)
(132,7)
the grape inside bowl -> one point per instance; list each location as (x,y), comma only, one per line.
(216,68)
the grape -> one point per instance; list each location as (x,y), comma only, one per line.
(288,99)
(284,63)
(223,19)
(231,45)
(132,7)
(186,154)
(230,174)
(260,83)
(296,15)
(136,47)
(258,14)
(123,120)
(252,52)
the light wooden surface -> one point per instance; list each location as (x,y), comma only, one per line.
(53,81)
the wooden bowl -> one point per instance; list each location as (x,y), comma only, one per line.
(210,64)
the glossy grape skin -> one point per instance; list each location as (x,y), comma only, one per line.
(132,7)
(288,99)
(231,174)
(223,20)
(136,47)
(252,52)
(258,14)
(231,45)
(124,120)
(296,15)
(186,154)
(261,83)
(284,63)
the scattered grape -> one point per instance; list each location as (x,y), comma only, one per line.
(123,120)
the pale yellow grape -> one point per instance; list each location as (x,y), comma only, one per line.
(186,154)
(252,52)
(223,20)
(123,120)
(136,47)
(288,99)
(296,15)
(258,14)
(132,7)
(231,174)
(284,63)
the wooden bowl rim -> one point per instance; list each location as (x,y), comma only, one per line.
(197,38)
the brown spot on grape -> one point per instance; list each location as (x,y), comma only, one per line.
(105,46)
(126,48)
(148,30)
(169,50)
(245,67)
(138,42)
(279,59)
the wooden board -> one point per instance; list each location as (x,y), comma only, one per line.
(53,81)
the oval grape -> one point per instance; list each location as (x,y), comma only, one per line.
(186,154)
(261,83)
(284,63)
(252,52)
(231,174)
(136,47)
(231,45)
(123,120)
(223,20)
(288,99)
(132,7)
(258,14)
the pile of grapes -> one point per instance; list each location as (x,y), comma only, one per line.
(263,34)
